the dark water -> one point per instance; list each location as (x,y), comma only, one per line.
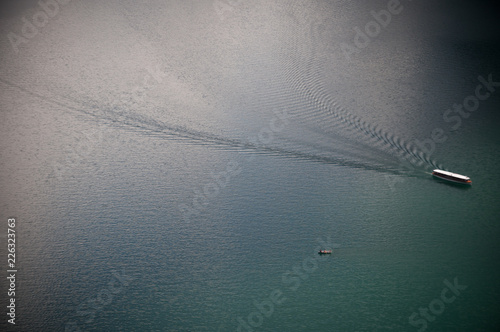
(175,166)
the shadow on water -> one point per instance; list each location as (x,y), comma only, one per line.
(459,186)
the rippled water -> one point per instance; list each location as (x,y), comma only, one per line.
(175,166)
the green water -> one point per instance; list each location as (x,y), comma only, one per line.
(172,170)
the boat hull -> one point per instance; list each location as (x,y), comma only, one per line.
(451,177)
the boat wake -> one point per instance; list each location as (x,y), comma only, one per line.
(146,125)
(329,117)
(320,127)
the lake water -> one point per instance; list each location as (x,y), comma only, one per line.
(176,166)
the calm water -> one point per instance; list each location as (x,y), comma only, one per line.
(176,165)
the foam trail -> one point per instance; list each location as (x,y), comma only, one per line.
(142,124)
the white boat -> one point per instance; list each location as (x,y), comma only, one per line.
(453,177)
